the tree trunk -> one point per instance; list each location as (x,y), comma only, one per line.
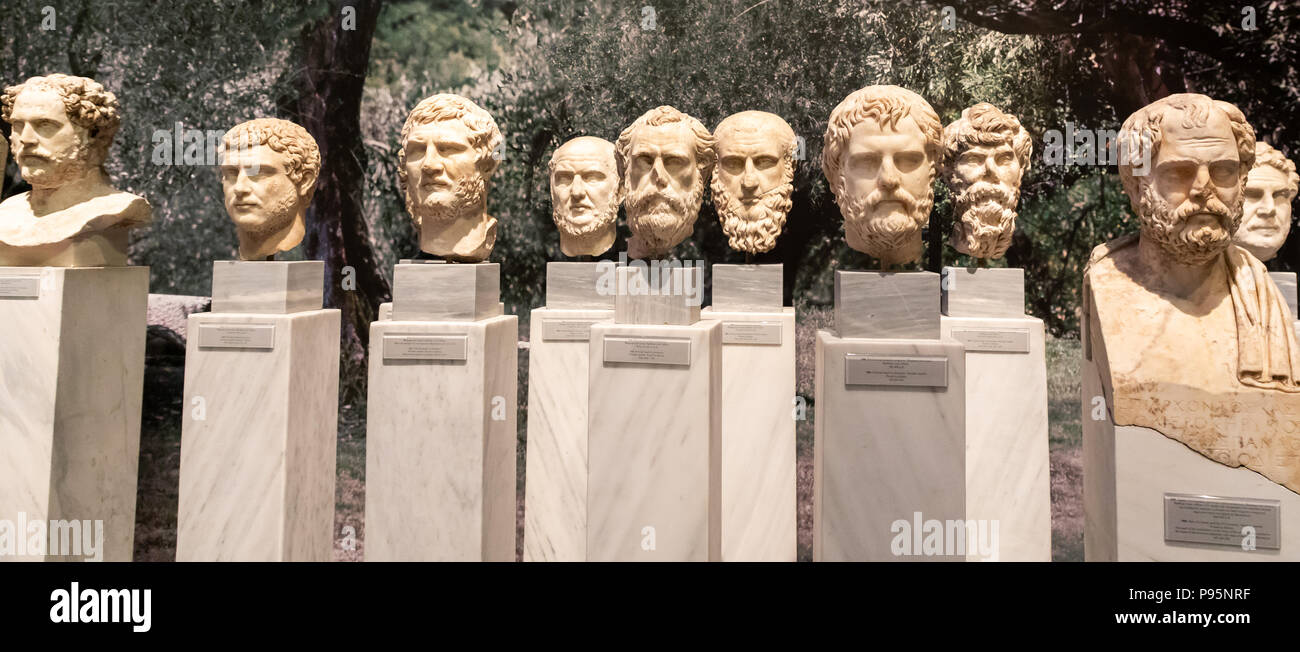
(336,56)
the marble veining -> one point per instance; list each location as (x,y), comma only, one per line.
(577,286)
(267,286)
(901,305)
(748,288)
(983,292)
(447,292)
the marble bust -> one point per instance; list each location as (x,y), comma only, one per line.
(985,156)
(448,154)
(585,195)
(753,178)
(664,159)
(882,150)
(268,175)
(1266,215)
(72,216)
(1190,335)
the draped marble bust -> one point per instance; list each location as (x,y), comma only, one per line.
(269,169)
(72,216)
(1190,335)
(447,157)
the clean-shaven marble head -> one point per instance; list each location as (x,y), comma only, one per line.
(585,195)
(448,155)
(753,178)
(1184,162)
(73,217)
(269,169)
(882,151)
(664,158)
(986,153)
(1266,214)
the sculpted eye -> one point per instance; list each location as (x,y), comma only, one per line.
(765,162)
(733,164)
(1004,159)
(908,161)
(1224,173)
(563,178)
(593,177)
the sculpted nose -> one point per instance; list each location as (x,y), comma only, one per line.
(749,180)
(1201,183)
(579,188)
(889,177)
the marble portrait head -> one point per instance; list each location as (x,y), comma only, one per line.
(1266,212)
(985,156)
(62,127)
(1184,161)
(882,149)
(269,169)
(448,155)
(585,195)
(664,159)
(753,178)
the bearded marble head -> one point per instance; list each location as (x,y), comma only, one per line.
(985,155)
(1184,160)
(585,195)
(62,128)
(753,178)
(269,169)
(448,154)
(1266,213)
(664,159)
(882,151)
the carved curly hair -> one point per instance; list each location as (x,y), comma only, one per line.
(85,101)
(887,105)
(1265,154)
(282,136)
(484,135)
(985,124)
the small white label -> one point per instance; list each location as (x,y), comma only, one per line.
(903,371)
(751,332)
(426,347)
(567,330)
(237,336)
(648,350)
(997,340)
(27,286)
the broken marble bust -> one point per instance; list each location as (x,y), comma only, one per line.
(62,127)
(585,195)
(268,175)
(753,178)
(450,149)
(1266,215)
(882,149)
(985,156)
(664,159)
(1189,334)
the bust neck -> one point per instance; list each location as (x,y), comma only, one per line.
(1171,277)
(467,238)
(257,246)
(52,199)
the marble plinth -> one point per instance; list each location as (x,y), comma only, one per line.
(654,438)
(983,292)
(436,291)
(1128,470)
(72,371)
(1286,282)
(885,453)
(267,286)
(555,493)
(440,440)
(1007,471)
(578,286)
(661,296)
(887,305)
(748,288)
(758,434)
(258,437)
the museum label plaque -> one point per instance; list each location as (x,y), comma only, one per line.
(751,332)
(237,336)
(900,371)
(24,286)
(648,350)
(1221,521)
(996,340)
(426,347)
(567,330)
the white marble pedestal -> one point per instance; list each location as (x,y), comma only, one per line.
(654,437)
(440,424)
(71,372)
(259,434)
(555,493)
(1007,467)
(890,449)
(758,427)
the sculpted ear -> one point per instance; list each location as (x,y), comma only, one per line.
(308,185)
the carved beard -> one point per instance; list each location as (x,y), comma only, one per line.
(884,237)
(602,219)
(988,219)
(470,192)
(662,218)
(752,229)
(66,167)
(1167,224)
(277,215)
